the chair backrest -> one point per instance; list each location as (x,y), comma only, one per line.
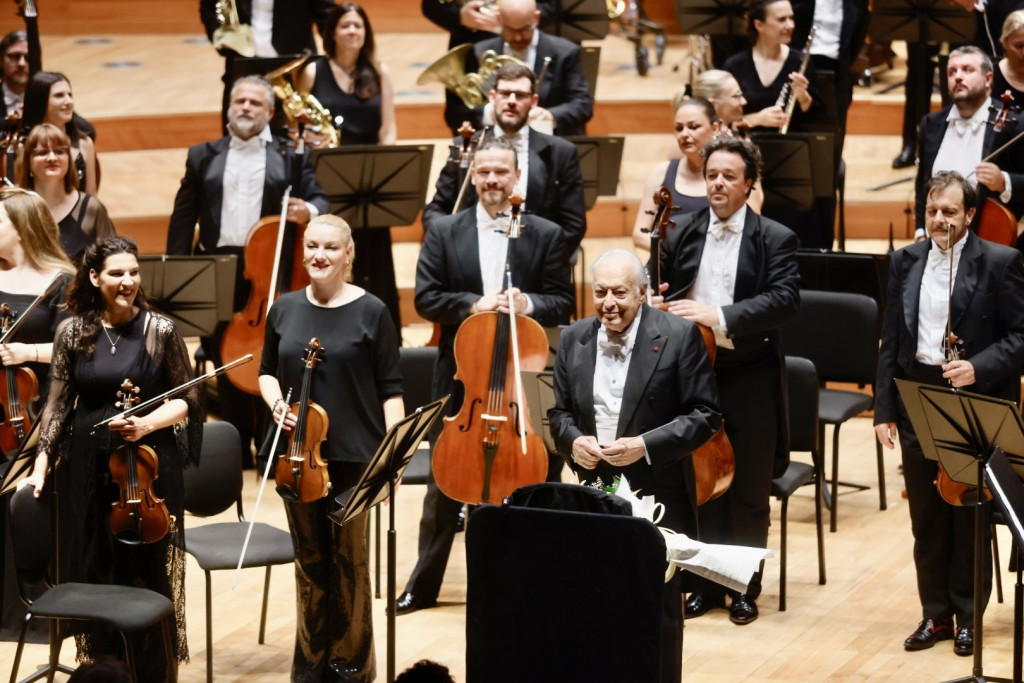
(31,537)
(417,365)
(802,385)
(838,332)
(216,484)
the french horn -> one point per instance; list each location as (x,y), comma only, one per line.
(450,71)
(232,34)
(298,105)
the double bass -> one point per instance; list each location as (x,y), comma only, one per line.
(301,473)
(714,463)
(489,449)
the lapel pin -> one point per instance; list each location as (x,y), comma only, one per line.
(656,349)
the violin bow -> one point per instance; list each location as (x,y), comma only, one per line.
(263,486)
(514,231)
(464,131)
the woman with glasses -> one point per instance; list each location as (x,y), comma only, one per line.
(725,95)
(46,167)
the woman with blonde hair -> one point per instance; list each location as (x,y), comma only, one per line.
(721,89)
(1009,71)
(45,166)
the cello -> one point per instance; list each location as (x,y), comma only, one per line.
(714,463)
(994,222)
(489,449)
(301,473)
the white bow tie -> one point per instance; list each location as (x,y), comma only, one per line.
(961,124)
(615,347)
(938,258)
(255,142)
(718,227)
(520,142)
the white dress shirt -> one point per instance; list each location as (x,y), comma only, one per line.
(715,284)
(610,381)
(933,303)
(492,239)
(828,17)
(263,27)
(242,197)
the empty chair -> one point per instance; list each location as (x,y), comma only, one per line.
(839,333)
(802,388)
(210,489)
(124,608)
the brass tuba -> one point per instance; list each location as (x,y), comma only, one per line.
(232,34)
(450,71)
(298,105)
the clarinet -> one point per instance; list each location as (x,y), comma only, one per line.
(787,100)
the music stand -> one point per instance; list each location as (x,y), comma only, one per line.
(712,17)
(600,163)
(835,271)
(579,20)
(378,484)
(373,186)
(1004,481)
(961,430)
(921,21)
(196,292)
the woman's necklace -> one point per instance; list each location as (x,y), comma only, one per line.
(113,342)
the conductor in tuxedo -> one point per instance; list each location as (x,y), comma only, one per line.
(987,314)
(550,180)
(460,272)
(229,184)
(735,271)
(956,138)
(565,103)
(634,396)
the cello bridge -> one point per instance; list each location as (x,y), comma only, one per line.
(494,418)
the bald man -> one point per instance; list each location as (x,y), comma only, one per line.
(566,103)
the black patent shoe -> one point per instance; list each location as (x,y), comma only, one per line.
(343,673)
(907,157)
(699,604)
(963,644)
(929,632)
(743,609)
(407,602)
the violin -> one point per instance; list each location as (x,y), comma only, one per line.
(714,463)
(489,449)
(22,388)
(994,222)
(137,516)
(301,473)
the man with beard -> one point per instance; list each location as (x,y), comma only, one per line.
(229,184)
(549,180)
(956,138)
(460,272)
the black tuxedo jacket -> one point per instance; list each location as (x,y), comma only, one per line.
(563,91)
(670,398)
(448,280)
(931,131)
(292,31)
(446,16)
(851,34)
(988,315)
(554,190)
(202,188)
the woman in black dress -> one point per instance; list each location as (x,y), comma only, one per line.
(1009,71)
(112,336)
(46,167)
(359,385)
(763,70)
(351,83)
(48,99)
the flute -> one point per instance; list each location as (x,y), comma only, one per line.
(787,100)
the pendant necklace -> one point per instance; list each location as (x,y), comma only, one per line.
(113,342)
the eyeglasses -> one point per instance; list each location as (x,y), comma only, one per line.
(509,94)
(738,95)
(16,56)
(42,153)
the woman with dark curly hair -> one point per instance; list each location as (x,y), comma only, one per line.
(113,335)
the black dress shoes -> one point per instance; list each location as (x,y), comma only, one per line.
(339,672)
(907,157)
(963,644)
(743,610)
(929,632)
(407,602)
(699,604)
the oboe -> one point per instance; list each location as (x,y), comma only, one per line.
(787,100)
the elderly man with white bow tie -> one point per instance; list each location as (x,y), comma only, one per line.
(957,138)
(734,271)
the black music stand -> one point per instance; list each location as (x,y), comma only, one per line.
(373,186)
(835,271)
(798,168)
(1004,481)
(579,20)
(921,21)
(600,164)
(261,66)
(378,483)
(196,292)
(961,431)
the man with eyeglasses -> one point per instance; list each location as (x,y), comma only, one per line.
(550,180)
(565,102)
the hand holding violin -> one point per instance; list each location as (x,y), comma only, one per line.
(12,355)
(281,413)
(960,373)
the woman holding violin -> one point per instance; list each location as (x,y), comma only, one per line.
(358,385)
(112,335)
(352,84)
